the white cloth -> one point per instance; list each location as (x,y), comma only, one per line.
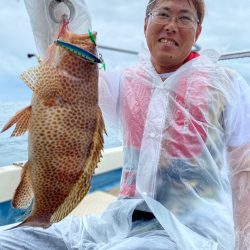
(112,231)
(176,137)
(45,30)
(237,117)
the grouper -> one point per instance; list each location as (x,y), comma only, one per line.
(65,131)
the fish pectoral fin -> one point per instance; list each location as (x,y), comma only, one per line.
(44,80)
(21,119)
(24,193)
(46,83)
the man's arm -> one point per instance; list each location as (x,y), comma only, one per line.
(239,159)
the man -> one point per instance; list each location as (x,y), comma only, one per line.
(185,132)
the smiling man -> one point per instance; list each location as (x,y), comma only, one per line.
(186,141)
(171,29)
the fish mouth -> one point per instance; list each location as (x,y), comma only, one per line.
(168,42)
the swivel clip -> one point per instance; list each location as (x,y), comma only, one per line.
(52,7)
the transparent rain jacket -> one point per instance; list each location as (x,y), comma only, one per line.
(185,140)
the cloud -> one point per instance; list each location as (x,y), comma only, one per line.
(226,25)
(16,41)
(119,23)
(16,35)
(13,89)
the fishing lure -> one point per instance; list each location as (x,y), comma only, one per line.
(91,37)
(80,52)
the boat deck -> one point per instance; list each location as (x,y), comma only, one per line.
(113,191)
(93,204)
(96,202)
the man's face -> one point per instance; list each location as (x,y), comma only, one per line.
(169,44)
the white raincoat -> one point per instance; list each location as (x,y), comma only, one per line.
(184,140)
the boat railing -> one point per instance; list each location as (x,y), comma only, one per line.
(224,56)
(235,55)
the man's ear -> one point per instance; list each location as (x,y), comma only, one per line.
(198,31)
(145,25)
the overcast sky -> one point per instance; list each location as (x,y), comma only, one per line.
(119,23)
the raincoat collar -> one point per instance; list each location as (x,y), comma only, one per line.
(145,60)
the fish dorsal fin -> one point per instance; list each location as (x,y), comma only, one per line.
(21,119)
(44,81)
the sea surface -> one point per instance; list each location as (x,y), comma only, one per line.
(14,149)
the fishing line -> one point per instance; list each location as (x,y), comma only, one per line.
(65,22)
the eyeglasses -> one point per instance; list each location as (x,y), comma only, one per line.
(182,21)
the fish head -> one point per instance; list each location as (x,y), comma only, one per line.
(73,65)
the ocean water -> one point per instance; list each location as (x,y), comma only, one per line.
(14,149)
(11,149)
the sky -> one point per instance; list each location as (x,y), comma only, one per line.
(119,24)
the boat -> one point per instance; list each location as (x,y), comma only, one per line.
(106,179)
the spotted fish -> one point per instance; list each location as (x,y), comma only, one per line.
(65,128)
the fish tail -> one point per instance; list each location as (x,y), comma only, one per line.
(21,119)
(24,194)
(34,221)
(82,186)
